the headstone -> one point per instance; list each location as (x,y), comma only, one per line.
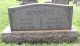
(29,1)
(41,17)
(35,22)
(78,2)
(48,1)
(60,1)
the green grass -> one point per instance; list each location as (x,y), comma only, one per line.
(76,17)
(44,44)
(4,4)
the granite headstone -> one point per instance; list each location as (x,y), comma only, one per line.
(60,1)
(41,17)
(35,22)
(28,1)
(48,1)
(78,2)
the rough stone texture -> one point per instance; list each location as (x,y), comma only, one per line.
(60,1)
(41,17)
(28,1)
(39,36)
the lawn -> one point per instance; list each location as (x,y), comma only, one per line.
(76,17)
(4,4)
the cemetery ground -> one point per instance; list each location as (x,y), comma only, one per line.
(4,4)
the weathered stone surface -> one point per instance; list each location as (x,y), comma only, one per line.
(39,37)
(29,1)
(60,1)
(41,17)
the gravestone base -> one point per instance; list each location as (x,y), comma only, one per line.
(40,36)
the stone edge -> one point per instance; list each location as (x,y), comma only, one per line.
(39,37)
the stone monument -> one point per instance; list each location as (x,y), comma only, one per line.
(28,1)
(57,1)
(45,22)
(48,1)
(60,1)
(40,16)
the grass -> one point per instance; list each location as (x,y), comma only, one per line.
(4,4)
(76,17)
(64,44)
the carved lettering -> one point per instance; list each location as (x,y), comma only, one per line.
(39,12)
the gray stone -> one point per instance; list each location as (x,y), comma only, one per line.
(41,17)
(35,22)
(8,29)
(48,1)
(28,1)
(40,37)
(60,1)
(78,4)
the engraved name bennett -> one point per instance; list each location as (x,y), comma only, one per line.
(39,12)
